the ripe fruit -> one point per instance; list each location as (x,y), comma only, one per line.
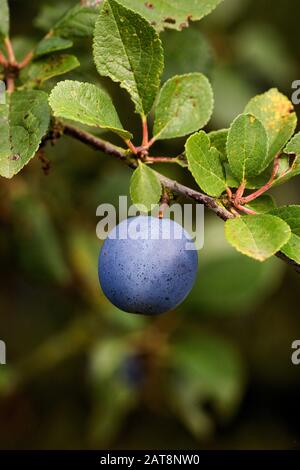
(145,266)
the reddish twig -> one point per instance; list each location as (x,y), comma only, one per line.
(209,202)
(145,133)
(10,52)
(26,61)
(264,188)
(3,61)
(160,160)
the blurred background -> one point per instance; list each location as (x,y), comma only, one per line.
(80,374)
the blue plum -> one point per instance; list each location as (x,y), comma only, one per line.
(147,265)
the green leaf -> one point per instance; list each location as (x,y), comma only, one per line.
(257,236)
(49,14)
(275,111)
(77,22)
(218,139)
(50,45)
(145,188)
(128,50)
(205,164)
(262,205)
(247,147)
(185,105)
(175,14)
(293,147)
(44,69)
(88,104)
(4,18)
(291,215)
(24,121)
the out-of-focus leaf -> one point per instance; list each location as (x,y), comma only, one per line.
(114,397)
(50,45)
(247,147)
(276,113)
(206,370)
(46,68)
(84,250)
(291,215)
(77,22)
(24,120)
(241,283)
(145,188)
(260,47)
(7,380)
(232,92)
(22,45)
(39,247)
(4,18)
(128,50)
(205,164)
(50,14)
(181,58)
(88,104)
(184,105)
(257,236)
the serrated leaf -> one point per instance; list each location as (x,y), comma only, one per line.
(4,18)
(205,164)
(257,236)
(77,22)
(145,188)
(184,105)
(275,111)
(52,44)
(86,103)
(247,147)
(262,205)
(24,121)
(175,14)
(44,69)
(128,50)
(218,139)
(293,147)
(291,215)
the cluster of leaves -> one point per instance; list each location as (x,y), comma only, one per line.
(256,153)
(217,160)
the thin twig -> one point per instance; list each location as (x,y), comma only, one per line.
(207,201)
(266,187)
(26,61)
(10,51)
(3,61)
(95,142)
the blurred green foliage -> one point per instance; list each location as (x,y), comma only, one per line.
(81,374)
